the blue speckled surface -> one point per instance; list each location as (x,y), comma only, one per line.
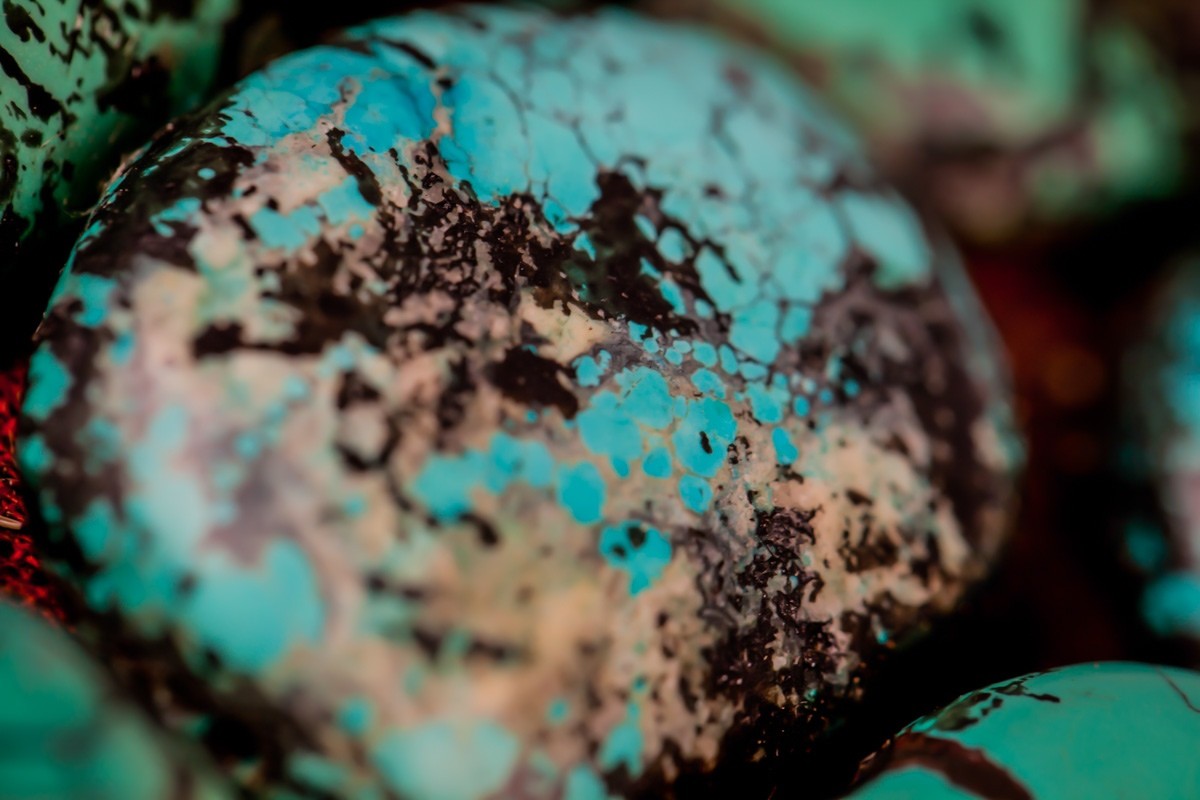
(561,397)
(1092,730)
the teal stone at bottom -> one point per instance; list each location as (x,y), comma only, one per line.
(65,732)
(1090,731)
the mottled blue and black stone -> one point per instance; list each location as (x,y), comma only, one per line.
(81,83)
(494,402)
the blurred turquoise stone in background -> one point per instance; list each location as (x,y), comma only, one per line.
(1008,116)
(1160,460)
(66,733)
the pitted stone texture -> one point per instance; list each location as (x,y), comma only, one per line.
(559,396)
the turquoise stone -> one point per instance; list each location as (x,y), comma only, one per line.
(564,397)
(65,732)
(1093,730)
(82,83)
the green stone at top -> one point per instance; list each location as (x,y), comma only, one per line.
(82,83)
(1071,106)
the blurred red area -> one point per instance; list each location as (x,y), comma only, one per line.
(1063,373)
(23,577)
(12,506)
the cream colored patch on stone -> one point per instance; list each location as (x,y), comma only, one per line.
(900,496)
(363,431)
(569,335)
